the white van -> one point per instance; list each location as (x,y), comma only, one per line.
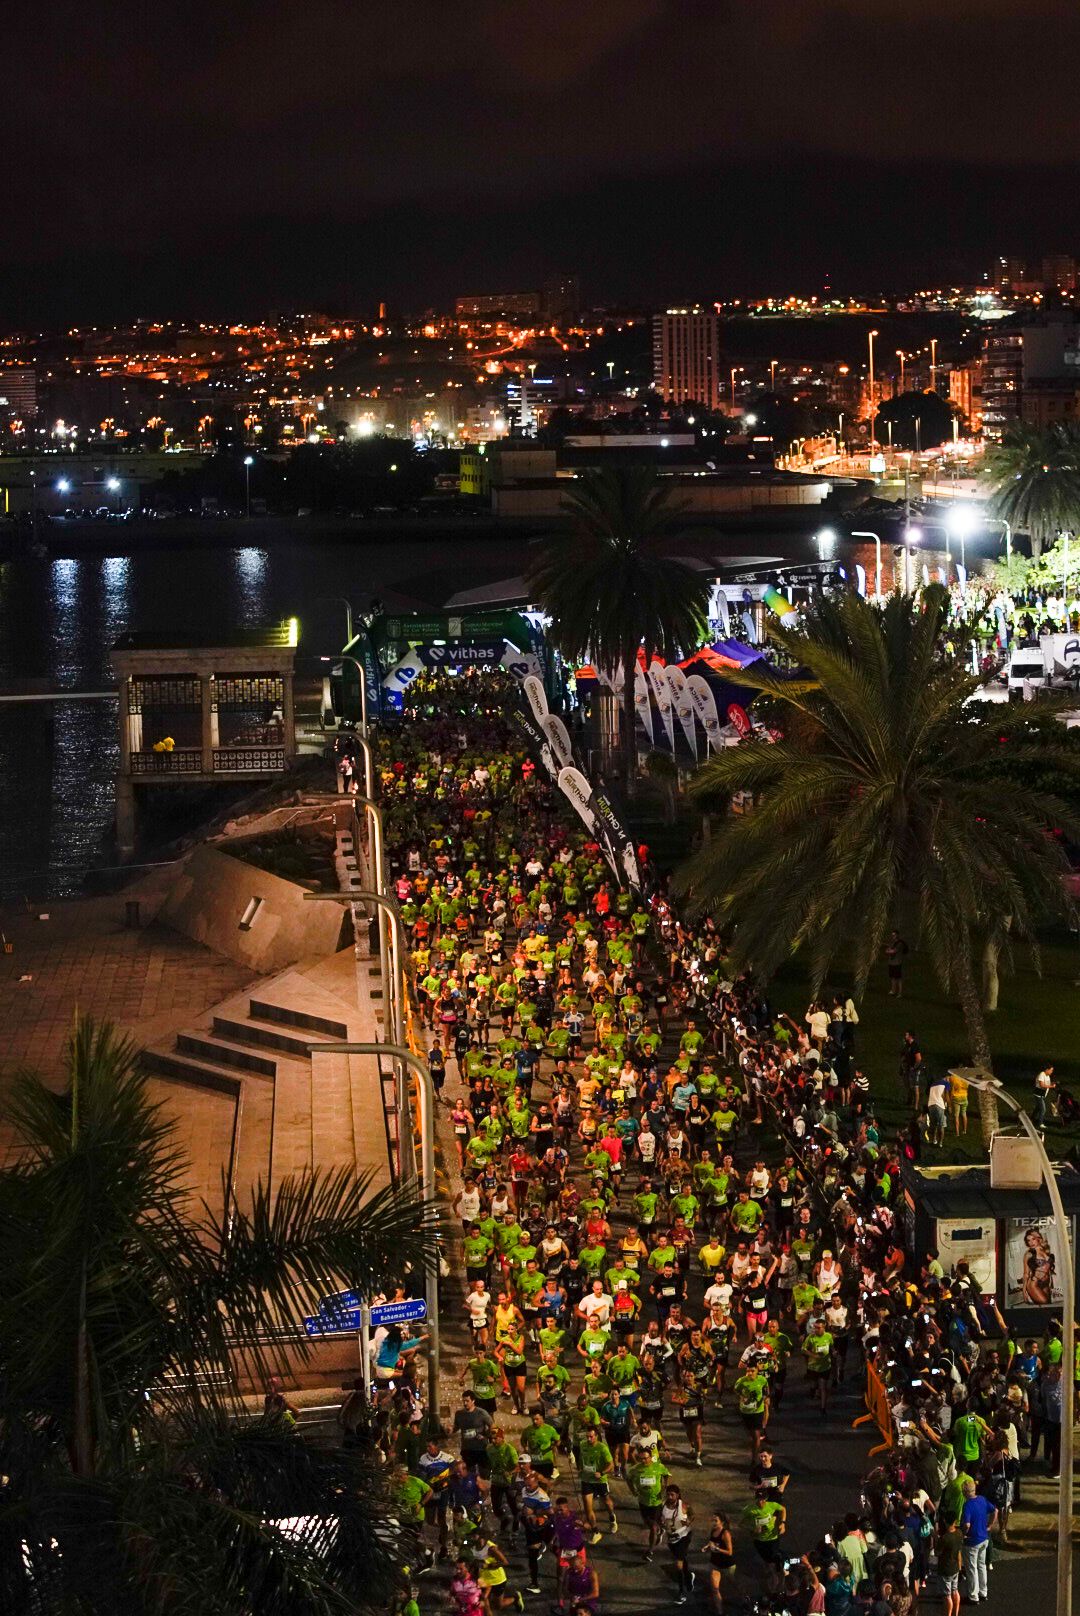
(1027,670)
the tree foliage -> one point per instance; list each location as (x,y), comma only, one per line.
(611,587)
(1033,480)
(129,1483)
(889,801)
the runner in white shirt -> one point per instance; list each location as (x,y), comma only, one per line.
(477,1304)
(595,1307)
(719,1294)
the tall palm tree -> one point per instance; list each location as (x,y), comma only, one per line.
(886,803)
(1033,479)
(127,1485)
(609,587)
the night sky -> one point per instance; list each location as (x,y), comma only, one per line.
(227,160)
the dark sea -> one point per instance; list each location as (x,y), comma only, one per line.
(61,614)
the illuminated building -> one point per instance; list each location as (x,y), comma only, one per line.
(686,357)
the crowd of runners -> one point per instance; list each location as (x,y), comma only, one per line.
(676,1210)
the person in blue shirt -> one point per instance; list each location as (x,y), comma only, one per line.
(680,1098)
(976,1519)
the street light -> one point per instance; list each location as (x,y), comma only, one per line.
(341,657)
(63,486)
(901,355)
(248,463)
(734,372)
(962,521)
(870,337)
(865,533)
(113,485)
(1068,1310)
(912,536)
(398,1052)
(772,376)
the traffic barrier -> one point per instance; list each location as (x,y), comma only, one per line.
(878,1410)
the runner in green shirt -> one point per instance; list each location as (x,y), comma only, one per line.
(539,1440)
(818,1349)
(752,1391)
(646,1481)
(767,1519)
(597,1468)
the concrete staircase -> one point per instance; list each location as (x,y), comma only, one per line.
(253,1067)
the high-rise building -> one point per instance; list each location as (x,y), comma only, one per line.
(562,299)
(18,392)
(1002,380)
(1059,272)
(686,356)
(1009,274)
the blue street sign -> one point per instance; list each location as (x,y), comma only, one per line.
(399,1312)
(344,1323)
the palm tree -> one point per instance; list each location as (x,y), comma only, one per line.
(887,802)
(609,587)
(127,1485)
(1033,479)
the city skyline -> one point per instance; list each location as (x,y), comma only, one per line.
(211,166)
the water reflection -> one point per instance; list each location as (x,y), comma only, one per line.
(251,569)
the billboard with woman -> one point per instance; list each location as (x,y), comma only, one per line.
(1034,1253)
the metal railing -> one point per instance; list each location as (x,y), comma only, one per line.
(182,760)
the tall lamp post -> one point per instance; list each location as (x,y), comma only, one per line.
(1063,1605)
(864,533)
(405,1057)
(249,461)
(870,339)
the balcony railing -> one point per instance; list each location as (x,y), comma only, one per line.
(249,760)
(178,761)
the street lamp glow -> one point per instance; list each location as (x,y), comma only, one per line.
(249,460)
(913,535)
(962,521)
(63,486)
(113,485)
(750,420)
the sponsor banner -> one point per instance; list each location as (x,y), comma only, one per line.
(704,704)
(684,707)
(574,785)
(536,696)
(522,664)
(642,704)
(558,739)
(578,791)
(739,719)
(622,855)
(537,740)
(662,696)
(399,679)
(1036,1252)
(462,654)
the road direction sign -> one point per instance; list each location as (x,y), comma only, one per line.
(399,1312)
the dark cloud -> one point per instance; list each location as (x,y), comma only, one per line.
(345,143)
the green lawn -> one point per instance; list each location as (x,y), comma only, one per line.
(1038,1020)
